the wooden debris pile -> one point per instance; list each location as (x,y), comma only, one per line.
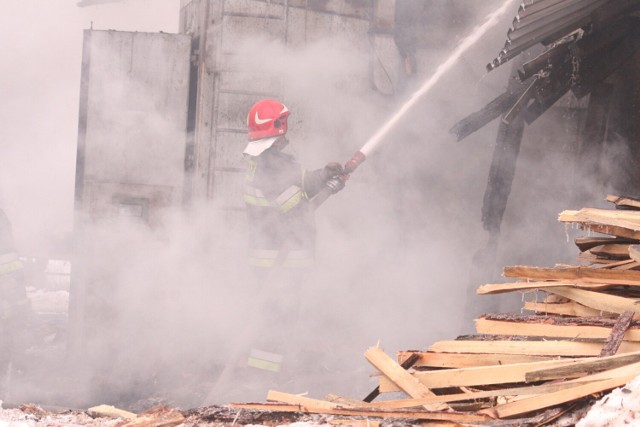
(580,339)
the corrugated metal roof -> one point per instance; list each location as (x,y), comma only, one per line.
(545,21)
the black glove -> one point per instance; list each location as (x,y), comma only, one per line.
(335,184)
(332,170)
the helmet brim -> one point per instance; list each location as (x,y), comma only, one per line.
(257,147)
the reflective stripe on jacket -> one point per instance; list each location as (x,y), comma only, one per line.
(9,263)
(269,258)
(281,226)
(286,201)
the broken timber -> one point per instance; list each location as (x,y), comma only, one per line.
(407,383)
(612,344)
(582,340)
(552,327)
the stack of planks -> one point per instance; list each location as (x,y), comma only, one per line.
(580,340)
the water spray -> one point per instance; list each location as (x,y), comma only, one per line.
(360,156)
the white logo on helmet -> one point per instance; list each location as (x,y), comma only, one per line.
(260,121)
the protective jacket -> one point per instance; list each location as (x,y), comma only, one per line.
(281,223)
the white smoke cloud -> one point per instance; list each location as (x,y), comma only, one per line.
(394,247)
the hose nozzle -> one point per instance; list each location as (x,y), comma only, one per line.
(353,163)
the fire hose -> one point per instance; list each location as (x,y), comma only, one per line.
(361,155)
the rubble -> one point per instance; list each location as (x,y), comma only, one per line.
(581,341)
(577,339)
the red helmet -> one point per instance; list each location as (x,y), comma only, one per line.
(267,118)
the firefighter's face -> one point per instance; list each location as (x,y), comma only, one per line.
(281,142)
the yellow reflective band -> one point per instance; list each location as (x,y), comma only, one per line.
(11,267)
(265,360)
(263,364)
(255,201)
(287,194)
(251,172)
(295,258)
(263,257)
(261,262)
(289,198)
(8,257)
(292,202)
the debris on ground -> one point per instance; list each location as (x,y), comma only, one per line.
(577,338)
(581,340)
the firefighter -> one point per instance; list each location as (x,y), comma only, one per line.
(15,306)
(278,191)
(278,195)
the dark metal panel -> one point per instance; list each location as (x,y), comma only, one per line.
(546,20)
(561,19)
(599,57)
(540,9)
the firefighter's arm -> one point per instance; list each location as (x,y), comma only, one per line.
(329,176)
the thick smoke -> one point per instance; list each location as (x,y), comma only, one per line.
(39,112)
(395,248)
(395,245)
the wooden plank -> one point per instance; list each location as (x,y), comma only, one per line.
(586,243)
(570,308)
(605,374)
(405,364)
(502,327)
(624,201)
(354,422)
(542,348)
(602,381)
(400,376)
(618,218)
(110,411)
(611,251)
(158,416)
(583,367)
(293,403)
(499,288)
(537,402)
(633,265)
(344,401)
(611,230)
(269,407)
(551,298)
(586,257)
(634,252)
(578,275)
(619,330)
(457,397)
(570,216)
(453,360)
(598,300)
(277,396)
(626,264)
(481,375)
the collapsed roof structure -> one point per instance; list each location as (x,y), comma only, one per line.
(588,49)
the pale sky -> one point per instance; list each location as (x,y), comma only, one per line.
(39,88)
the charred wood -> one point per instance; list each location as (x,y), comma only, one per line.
(612,344)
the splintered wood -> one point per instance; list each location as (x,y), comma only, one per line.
(580,338)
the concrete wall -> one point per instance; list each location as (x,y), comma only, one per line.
(133,113)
